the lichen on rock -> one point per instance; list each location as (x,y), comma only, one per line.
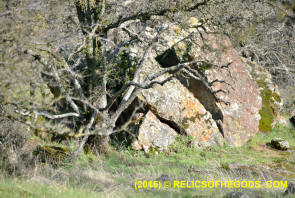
(174,103)
(238,120)
(153,135)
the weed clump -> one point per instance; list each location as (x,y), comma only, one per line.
(13,159)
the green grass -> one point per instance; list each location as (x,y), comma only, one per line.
(113,175)
(12,188)
(285,132)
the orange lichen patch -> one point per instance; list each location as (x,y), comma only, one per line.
(136,145)
(207,136)
(200,139)
(191,109)
(203,136)
(195,134)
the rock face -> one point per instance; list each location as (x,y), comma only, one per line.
(153,134)
(239,120)
(280,144)
(173,103)
(177,105)
(230,109)
(241,117)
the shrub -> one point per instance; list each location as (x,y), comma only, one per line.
(13,137)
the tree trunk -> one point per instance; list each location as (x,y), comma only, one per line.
(98,144)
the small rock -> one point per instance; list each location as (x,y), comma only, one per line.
(280,144)
(153,135)
(136,145)
(292,119)
(40,179)
(290,189)
(236,195)
(163,177)
(235,165)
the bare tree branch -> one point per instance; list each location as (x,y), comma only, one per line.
(50,116)
(144,16)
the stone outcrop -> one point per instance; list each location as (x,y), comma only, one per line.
(176,105)
(241,99)
(173,103)
(153,134)
(239,119)
(187,105)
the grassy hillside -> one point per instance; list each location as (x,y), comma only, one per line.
(113,175)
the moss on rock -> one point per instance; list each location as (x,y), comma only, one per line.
(269,108)
(270,99)
(53,154)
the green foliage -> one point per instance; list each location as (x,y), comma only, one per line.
(279,130)
(183,144)
(23,189)
(125,64)
(266,112)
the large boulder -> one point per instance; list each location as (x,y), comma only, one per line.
(241,116)
(238,113)
(229,108)
(175,104)
(153,135)
(172,102)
